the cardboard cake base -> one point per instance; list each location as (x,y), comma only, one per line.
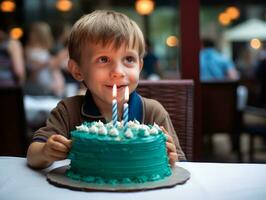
(57,177)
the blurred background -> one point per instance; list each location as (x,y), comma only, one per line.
(233,26)
(238,29)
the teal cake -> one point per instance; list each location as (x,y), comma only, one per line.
(121,154)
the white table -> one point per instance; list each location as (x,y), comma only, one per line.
(208,181)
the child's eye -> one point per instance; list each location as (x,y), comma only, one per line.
(103,59)
(130,59)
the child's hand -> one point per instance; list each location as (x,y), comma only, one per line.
(56,148)
(171,149)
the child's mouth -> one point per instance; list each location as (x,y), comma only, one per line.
(119,87)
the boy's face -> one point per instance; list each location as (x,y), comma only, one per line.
(102,67)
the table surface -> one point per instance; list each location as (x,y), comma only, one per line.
(208,181)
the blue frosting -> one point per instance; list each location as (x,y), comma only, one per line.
(118,159)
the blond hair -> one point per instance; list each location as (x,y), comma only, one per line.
(41,34)
(105,27)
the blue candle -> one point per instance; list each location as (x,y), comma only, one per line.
(114,105)
(125,113)
(125,108)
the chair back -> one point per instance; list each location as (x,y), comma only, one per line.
(177,98)
(13,140)
(219,106)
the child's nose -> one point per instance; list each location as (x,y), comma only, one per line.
(117,71)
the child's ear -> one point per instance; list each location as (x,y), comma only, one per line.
(74,69)
(141,64)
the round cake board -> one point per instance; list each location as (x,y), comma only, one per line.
(57,177)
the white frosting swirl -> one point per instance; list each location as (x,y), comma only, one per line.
(82,127)
(93,129)
(133,125)
(147,133)
(130,123)
(119,125)
(99,124)
(113,132)
(157,126)
(145,128)
(102,130)
(154,131)
(109,125)
(129,133)
(136,121)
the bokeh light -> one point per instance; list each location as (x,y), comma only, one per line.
(224,19)
(64,5)
(172,41)
(8,6)
(233,12)
(144,7)
(16,33)
(255,43)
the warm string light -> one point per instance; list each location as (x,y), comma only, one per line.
(8,6)
(16,33)
(233,12)
(172,41)
(64,5)
(224,19)
(230,14)
(255,43)
(144,7)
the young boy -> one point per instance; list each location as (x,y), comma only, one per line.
(105,48)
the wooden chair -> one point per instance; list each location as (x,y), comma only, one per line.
(219,111)
(177,98)
(13,140)
(255,127)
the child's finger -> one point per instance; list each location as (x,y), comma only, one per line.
(165,131)
(53,155)
(68,143)
(59,147)
(63,140)
(168,136)
(57,155)
(170,147)
(172,158)
(169,139)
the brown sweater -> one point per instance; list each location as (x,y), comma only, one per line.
(69,113)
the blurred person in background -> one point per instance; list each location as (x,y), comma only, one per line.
(261,77)
(12,68)
(60,53)
(45,76)
(61,34)
(214,65)
(151,64)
